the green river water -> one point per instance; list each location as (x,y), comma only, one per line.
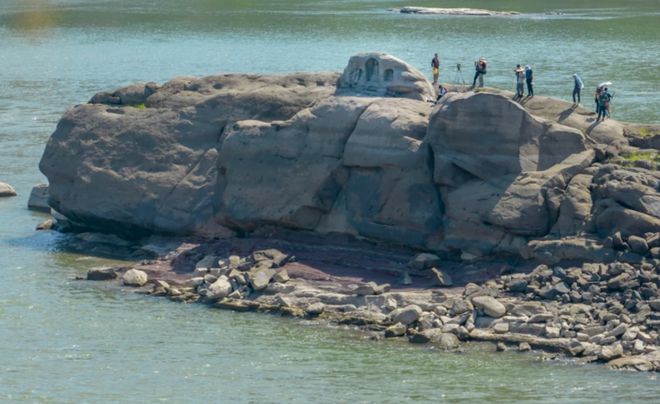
(69,341)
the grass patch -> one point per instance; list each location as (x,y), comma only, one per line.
(650,156)
(140,105)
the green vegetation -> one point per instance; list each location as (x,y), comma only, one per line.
(140,105)
(650,156)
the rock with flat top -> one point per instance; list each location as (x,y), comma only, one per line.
(38,199)
(489,305)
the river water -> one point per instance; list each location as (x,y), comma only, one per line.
(63,340)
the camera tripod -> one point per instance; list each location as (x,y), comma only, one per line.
(458,76)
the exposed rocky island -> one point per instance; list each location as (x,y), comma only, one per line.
(453,11)
(352,198)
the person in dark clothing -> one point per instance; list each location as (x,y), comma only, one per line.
(480,71)
(520,81)
(529,78)
(599,91)
(577,87)
(604,104)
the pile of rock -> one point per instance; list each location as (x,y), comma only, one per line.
(237,277)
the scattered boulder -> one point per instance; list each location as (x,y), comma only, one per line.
(101,274)
(47,224)
(281,276)
(395,330)
(260,278)
(441,278)
(276,257)
(406,315)
(489,305)
(6,190)
(39,198)
(135,277)
(219,289)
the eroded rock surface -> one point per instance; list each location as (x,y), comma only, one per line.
(478,174)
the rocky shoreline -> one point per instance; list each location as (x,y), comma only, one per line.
(521,222)
(592,312)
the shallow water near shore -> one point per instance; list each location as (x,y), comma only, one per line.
(73,341)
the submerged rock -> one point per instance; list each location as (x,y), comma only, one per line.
(39,198)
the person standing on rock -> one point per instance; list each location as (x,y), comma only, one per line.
(599,91)
(480,71)
(435,64)
(529,79)
(520,81)
(604,104)
(577,87)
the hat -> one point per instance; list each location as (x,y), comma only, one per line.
(528,67)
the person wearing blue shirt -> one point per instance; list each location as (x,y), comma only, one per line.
(578,86)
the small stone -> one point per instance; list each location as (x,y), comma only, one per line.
(441,278)
(315,309)
(500,347)
(555,291)
(489,305)
(461,306)
(209,261)
(617,331)
(390,304)
(219,289)
(260,278)
(541,318)
(234,261)
(6,190)
(617,242)
(638,245)
(406,315)
(610,352)
(47,224)
(518,285)
(101,274)
(281,276)
(655,304)
(135,277)
(501,328)
(524,347)
(551,332)
(396,330)
(366,289)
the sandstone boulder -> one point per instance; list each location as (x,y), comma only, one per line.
(6,190)
(379,74)
(135,277)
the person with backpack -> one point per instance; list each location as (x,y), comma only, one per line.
(529,79)
(480,71)
(520,81)
(435,64)
(599,91)
(604,104)
(577,87)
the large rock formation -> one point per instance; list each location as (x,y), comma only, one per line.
(360,154)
